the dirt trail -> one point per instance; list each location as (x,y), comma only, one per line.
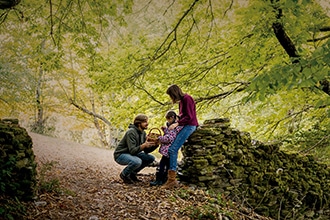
(88,185)
(70,154)
(84,183)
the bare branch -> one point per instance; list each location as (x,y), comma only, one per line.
(187,35)
(3,100)
(241,87)
(173,32)
(291,115)
(51,20)
(85,110)
(164,46)
(231,4)
(325,29)
(211,63)
(3,16)
(319,38)
(149,94)
(173,1)
(315,145)
(212,23)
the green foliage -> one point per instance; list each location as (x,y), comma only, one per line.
(209,206)
(305,75)
(117,58)
(18,173)
(17,170)
(47,182)
(315,141)
(11,208)
(44,128)
(6,173)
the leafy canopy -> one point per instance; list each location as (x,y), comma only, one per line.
(119,57)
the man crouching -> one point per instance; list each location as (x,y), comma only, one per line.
(133,150)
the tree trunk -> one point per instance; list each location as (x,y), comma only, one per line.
(38,125)
(100,131)
(96,117)
(284,40)
(289,46)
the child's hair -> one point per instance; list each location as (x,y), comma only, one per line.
(170,114)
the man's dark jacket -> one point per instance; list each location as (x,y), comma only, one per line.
(131,142)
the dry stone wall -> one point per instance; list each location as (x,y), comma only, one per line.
(17,161)
(258,175)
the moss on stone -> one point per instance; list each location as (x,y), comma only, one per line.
(18,176)
(225,160)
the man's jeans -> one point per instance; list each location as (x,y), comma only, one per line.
(183,135)
(134,163)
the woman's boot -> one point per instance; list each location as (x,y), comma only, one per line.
(171,180)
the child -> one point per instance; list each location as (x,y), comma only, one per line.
(166,141)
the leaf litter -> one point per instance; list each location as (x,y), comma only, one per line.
(84,188)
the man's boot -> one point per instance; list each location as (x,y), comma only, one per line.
(159,179)
(134,177)
(126,179)
(171,180)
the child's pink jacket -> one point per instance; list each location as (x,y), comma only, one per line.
(167,139)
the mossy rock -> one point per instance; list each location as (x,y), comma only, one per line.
(260,173)
(18,165)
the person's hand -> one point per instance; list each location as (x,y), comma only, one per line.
(157,142)
(148,138)
(147,144)
(174,125)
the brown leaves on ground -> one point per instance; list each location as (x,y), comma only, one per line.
(88,193)
(82,182)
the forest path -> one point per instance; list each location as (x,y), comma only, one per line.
(82,182)
(85,184)
(70,154)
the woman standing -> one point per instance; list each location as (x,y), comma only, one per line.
(187,119)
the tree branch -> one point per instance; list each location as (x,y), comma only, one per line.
(291,115)
(173,32)
(230,6)
(315,145)
(3,100)
(319,38)
(3,17)
(85,110)
(164,46)
(149,94)
(284,40)
(51,21)
(324,29)
(241,87)
(281,35)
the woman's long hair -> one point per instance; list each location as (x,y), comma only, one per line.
(175,93)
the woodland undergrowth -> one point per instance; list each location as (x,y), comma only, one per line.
(73,193)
